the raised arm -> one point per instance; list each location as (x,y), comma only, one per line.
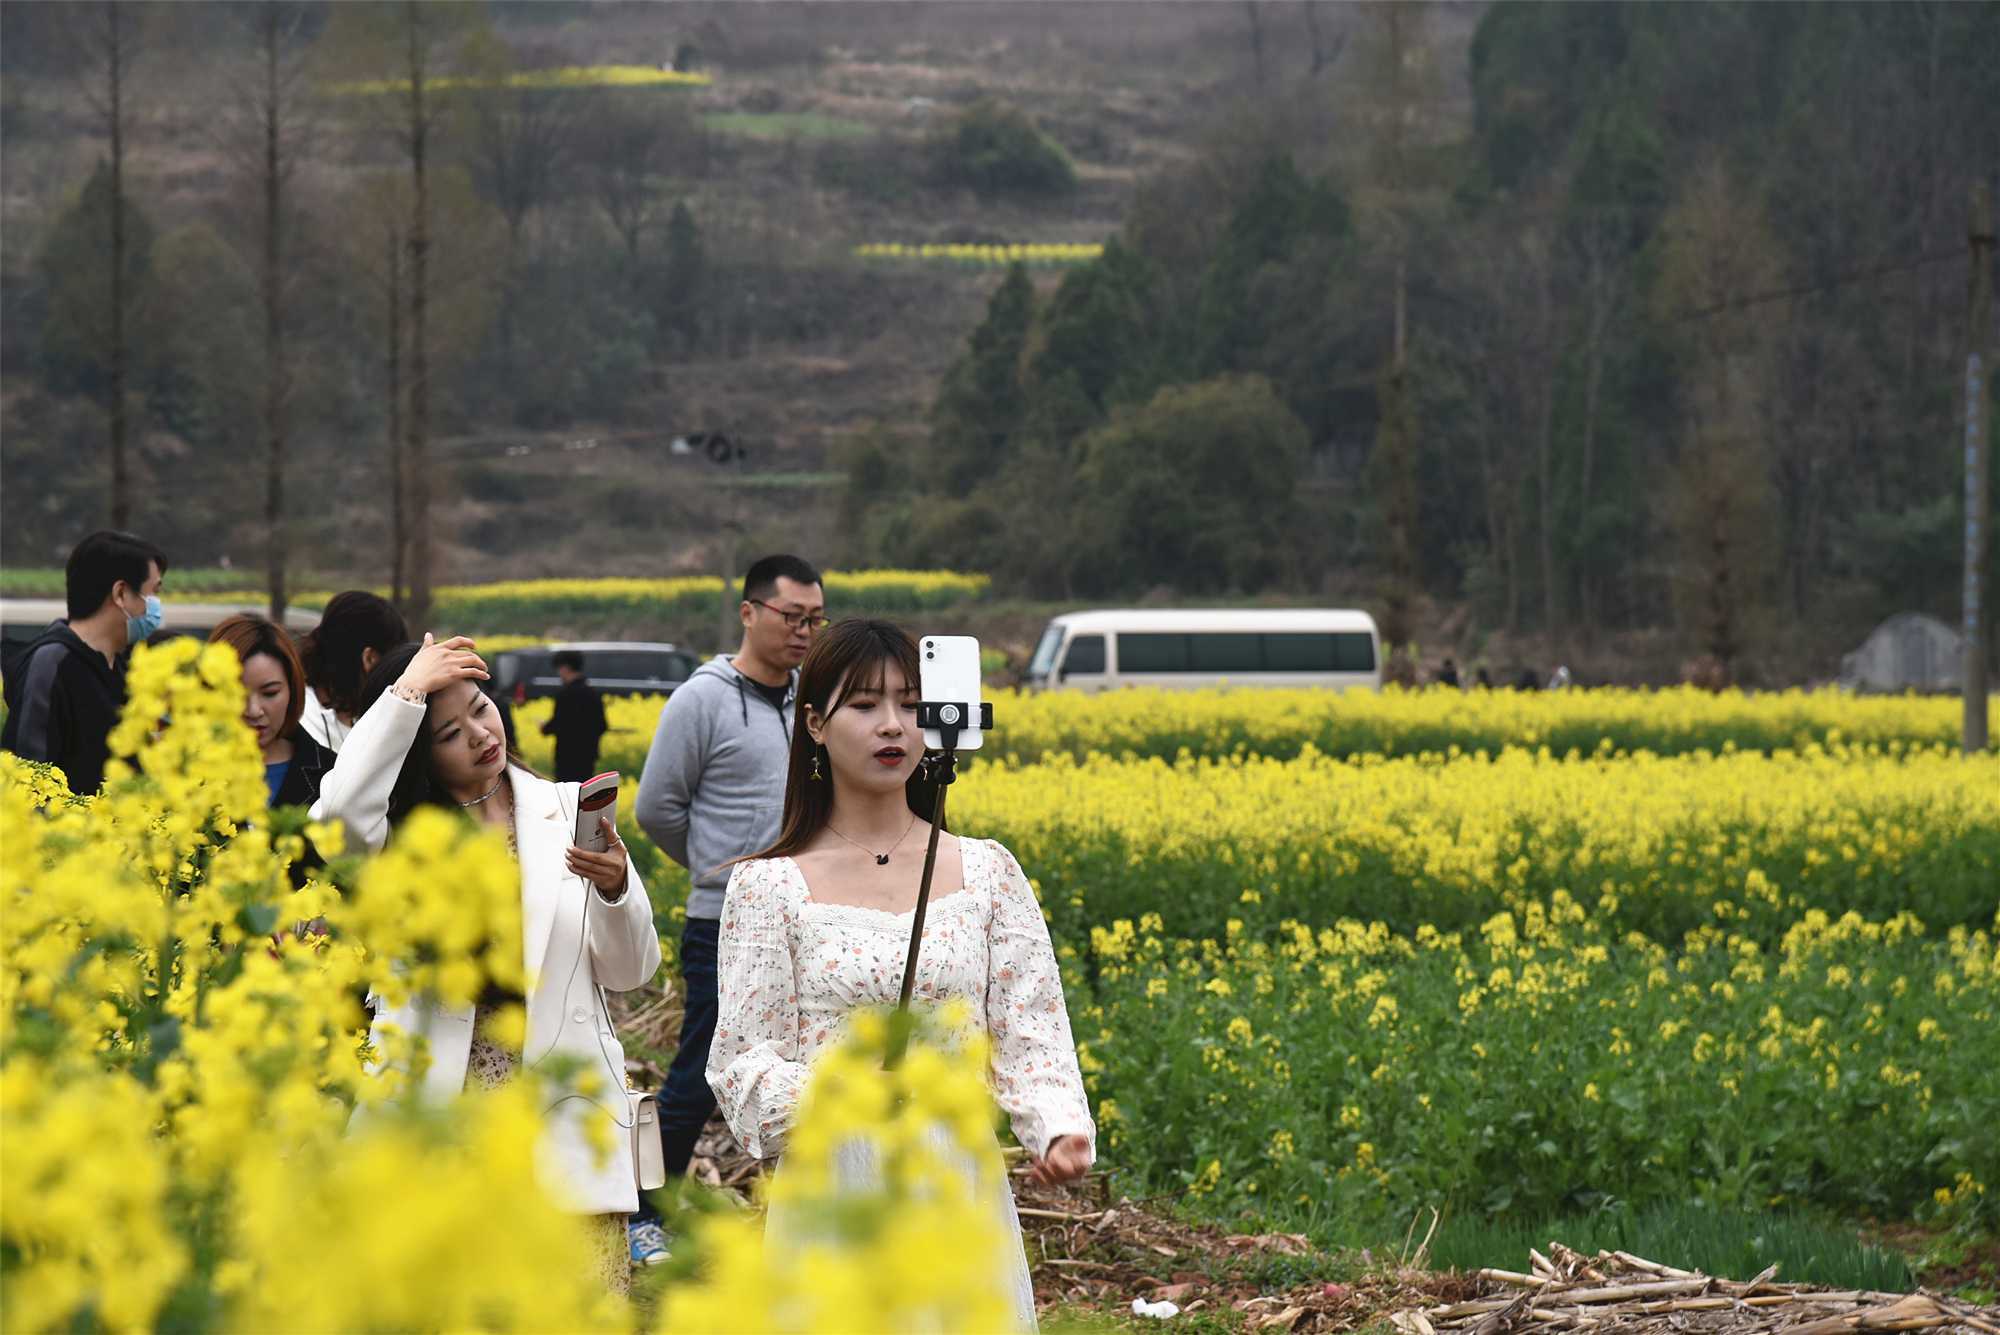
(1035,1074)
(753,1061)
(356,790)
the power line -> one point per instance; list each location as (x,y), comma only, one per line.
(1813,289)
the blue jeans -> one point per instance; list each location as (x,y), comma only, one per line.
(686,1102)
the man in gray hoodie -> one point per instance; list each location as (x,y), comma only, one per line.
(714,790)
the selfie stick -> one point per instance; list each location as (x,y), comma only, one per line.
(949,720)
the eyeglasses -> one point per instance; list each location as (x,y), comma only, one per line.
(810,622)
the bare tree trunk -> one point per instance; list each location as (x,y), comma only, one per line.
(1545,450)
(1256,38)
(420,390)
(275,367)
(1600,320)
(1498,532)
(1721,607)
(121,482)
(1312,35)
(399,538)
(1586,584)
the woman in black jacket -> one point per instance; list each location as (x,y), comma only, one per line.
(274,689)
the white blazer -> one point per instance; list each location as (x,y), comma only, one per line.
(573,942)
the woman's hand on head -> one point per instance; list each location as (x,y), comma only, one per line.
(604,870)
(1067,1160)
(440,663)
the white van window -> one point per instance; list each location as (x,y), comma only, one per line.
(1045,652)
(1343,651)
(1226,653)
(1085,656)
(1151,651)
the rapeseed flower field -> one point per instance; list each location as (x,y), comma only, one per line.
(1144,722)
(1545,1061)
(1512,981)
(524,604)
(984,255)
(1321,990)
(565,77)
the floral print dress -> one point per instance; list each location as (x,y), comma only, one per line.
(790,970)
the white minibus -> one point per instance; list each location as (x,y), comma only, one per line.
(1094,651)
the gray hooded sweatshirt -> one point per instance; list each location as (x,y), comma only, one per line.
(714,785)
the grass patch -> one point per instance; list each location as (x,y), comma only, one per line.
(1727,1244)
(779,481)
(182,583)
(784,125)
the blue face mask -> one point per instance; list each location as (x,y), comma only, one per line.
(138,628)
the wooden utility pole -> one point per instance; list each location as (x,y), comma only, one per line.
(1978,368)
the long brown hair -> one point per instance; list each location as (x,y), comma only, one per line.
(249,635)
(846,657)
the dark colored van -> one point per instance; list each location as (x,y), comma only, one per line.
(614,668)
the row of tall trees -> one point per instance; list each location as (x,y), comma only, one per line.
(371,249)
(1667,339)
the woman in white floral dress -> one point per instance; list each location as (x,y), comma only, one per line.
(816,927)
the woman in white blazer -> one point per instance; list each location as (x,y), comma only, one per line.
(428,735)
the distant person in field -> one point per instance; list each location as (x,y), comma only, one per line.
(354,632)
(578,721)
(712,791)
(67,687)
(1448,674)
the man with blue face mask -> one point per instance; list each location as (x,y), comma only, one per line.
(64,691)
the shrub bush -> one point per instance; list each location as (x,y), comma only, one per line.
(996,150)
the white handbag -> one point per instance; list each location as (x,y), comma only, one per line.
(649,1157)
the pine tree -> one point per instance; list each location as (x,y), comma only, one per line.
(981,404)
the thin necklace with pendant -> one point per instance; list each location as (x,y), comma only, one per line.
(881,859)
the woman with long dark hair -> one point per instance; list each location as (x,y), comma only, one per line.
(354,632)
(428,736)
(815,927)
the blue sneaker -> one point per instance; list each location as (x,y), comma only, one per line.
(648,1242)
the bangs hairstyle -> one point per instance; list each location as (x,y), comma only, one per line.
(847,657)
(249,635)
(417,783)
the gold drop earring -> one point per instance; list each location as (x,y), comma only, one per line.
(817,776)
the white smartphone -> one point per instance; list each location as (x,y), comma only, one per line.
(950,670)
(596,799)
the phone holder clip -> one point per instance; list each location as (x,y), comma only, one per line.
(949,719)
